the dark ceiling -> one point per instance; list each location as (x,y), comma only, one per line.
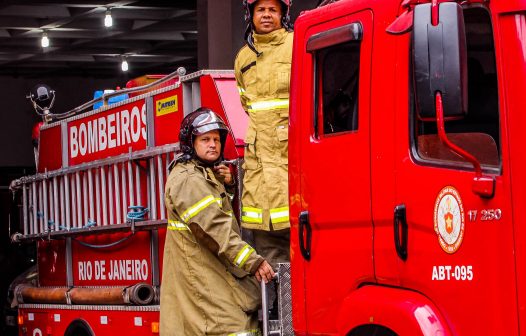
(152,35)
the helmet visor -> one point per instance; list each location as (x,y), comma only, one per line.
(209,127)
(207,122)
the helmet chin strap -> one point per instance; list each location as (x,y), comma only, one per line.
(250,39)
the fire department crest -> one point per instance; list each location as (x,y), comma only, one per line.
(449,219)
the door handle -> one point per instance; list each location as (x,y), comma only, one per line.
(305,234)
(400,231)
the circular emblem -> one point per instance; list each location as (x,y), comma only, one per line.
(449,219)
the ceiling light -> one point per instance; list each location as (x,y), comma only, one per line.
(45,40)
(108,20)
(124,65)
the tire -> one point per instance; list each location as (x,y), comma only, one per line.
(79,328)
(372,330)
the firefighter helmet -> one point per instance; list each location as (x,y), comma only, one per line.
(249,8)
(200,121)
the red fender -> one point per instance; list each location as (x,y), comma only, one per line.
(405,312)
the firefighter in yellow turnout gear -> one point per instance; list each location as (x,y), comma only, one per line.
(207,287)
(262,69)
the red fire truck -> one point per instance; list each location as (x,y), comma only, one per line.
(404,140)
(96,207)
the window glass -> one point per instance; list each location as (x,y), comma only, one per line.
(478,131)
(337,88)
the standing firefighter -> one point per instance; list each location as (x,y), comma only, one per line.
(263,74)
(207,284)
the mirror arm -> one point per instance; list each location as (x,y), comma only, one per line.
(445,140)
(483,186)
(434,12)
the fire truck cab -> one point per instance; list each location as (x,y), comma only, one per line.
(405,167)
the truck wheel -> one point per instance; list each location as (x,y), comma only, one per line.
(372,330)
(79,328)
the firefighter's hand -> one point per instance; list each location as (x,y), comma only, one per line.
(265,272)
(225,172)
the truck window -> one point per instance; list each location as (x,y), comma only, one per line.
(337,88)
(478,131)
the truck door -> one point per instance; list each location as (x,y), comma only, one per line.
(451,244)
(331,125)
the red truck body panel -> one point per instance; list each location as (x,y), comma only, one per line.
(511,51)
(168,107)
(54,320)
(50,147)
(113,266)
(51,260)
(332,201)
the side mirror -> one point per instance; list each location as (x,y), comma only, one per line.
(440,60)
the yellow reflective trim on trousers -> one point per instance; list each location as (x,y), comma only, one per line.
(199,206)
(253,332)
(241,90)
(242,256)
(265,105)
(252,215)
(175,225)
(279,215)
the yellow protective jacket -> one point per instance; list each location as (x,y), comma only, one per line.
(263,83)
(207,286)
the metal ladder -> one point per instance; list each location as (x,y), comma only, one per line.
(94,195)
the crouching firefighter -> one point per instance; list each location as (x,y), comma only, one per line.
(208,286)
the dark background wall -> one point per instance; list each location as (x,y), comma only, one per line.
(18,117)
